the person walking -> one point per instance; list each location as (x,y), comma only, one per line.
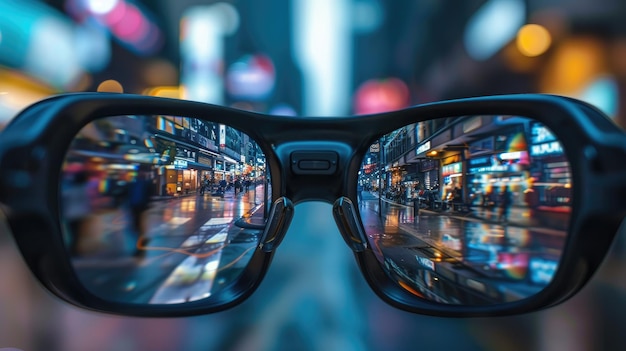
(237,186)
(77,209)
(140,193)
(506,200)
(221,188)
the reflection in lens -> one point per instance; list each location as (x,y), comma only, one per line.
(468,210)
(154,207)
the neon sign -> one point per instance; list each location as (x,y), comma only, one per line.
(550,148)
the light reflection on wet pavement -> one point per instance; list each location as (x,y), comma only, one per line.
(325,291)
(461,259)
(192,250)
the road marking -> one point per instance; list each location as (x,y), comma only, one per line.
(218,221)
(193,278)
(177,221)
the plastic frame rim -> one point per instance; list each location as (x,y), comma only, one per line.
(32,148)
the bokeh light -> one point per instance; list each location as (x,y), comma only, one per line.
(164,91)
(160,72)
(251,77)
(101,7)
(533,40)
(573,65)
(492,27)
(381,95)
(110,86)
(603,93)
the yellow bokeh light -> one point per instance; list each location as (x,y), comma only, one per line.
(164,91)
(110,86)
(575,63)
(533,40)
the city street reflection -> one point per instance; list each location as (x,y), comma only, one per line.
(158,209)
(476,214)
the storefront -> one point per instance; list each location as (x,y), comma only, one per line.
(205,167)
(487,175)
(429,173)
(550,171)
(499,161)
(179,178)
(395,172)
(452,176)
(410,182)
(452,179)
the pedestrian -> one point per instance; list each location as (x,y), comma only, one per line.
(359,192)
(237,185)
(506,199)
(222,186)
(140,193)
(205,185)
(77,209)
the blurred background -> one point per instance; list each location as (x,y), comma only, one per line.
(321,58)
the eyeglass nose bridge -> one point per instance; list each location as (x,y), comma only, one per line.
(280,216)
(349,224)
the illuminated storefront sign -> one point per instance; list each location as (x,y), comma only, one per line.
(505,162)
(541,270)
(490,169)
(480,161)
(180,164)
(423,148)
(452,169)
(543,141)
(540,134)
(426,165)
(205,160)
(512,155)
(550,148)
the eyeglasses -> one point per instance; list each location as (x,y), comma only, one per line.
(148,206)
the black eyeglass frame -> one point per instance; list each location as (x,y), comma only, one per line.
(33,147)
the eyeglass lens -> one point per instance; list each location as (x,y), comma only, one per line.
(149,207)
(471,210)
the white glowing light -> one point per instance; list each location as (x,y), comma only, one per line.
(101,7)
(493,26)
(322,48)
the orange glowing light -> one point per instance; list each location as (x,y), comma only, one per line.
(110,86)
(164,91)
(575,63)
(533,40)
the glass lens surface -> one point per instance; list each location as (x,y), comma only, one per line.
(161,209)
(471,210)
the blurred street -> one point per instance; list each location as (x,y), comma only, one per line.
(191,248)
(462,259)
